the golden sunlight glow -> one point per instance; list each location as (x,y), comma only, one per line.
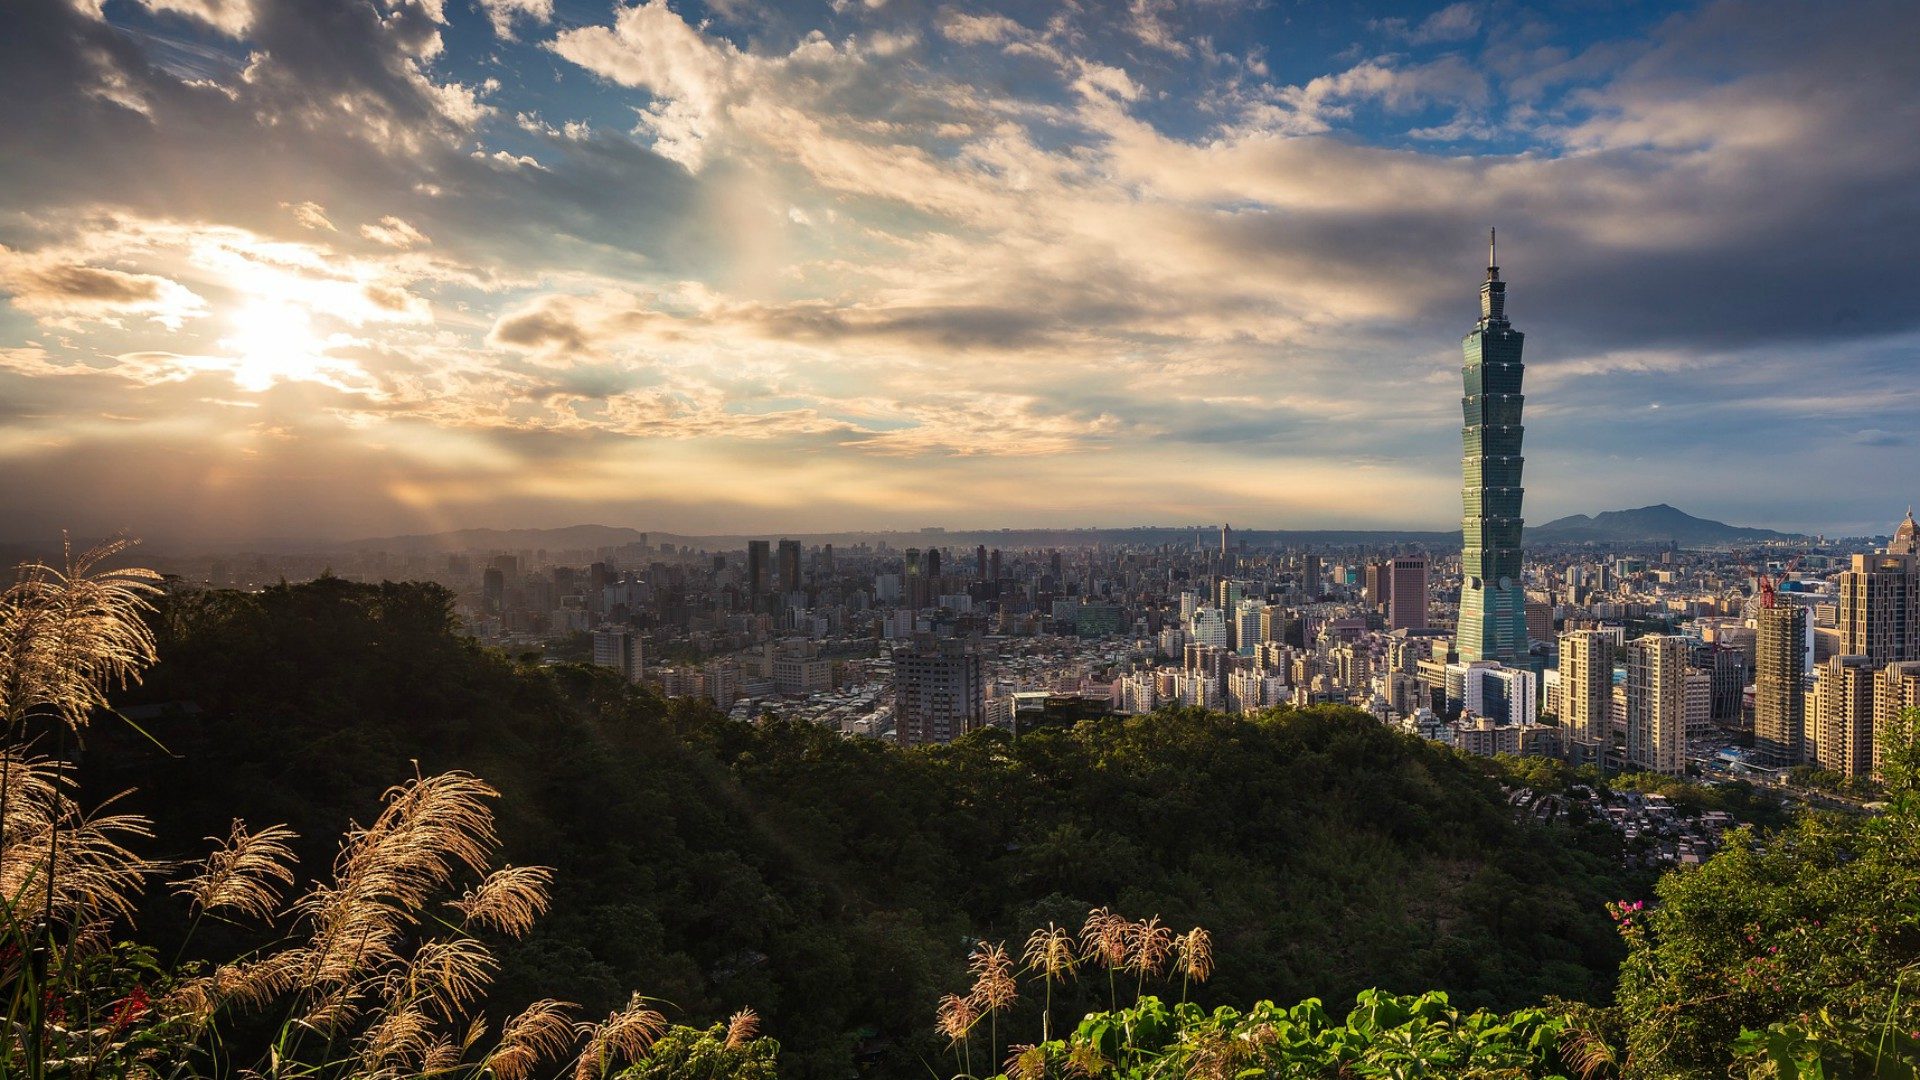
(274,342)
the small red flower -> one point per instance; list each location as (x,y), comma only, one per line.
(130,1009)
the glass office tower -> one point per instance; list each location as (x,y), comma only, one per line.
(1493,621)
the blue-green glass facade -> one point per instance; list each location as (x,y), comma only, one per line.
(1493,618)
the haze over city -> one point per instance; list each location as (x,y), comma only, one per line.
(358,269)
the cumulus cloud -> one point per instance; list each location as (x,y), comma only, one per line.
(942,239)
(230,17)
(1455,22)
(502,14)
(310,215)
(61,292)
(394,233)
(978,29)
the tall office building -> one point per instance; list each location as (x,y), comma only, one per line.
(757,552)
(1492,596)
(980,562)
(939,692)
(1586,686)
(1779,684)
(1247,616)
(1843,721)
(993,565)
(1880,605)
(1311,582)
(918,592)
(1375,584)
(618,648)
(1227,593)
(1539,617)
(789,565)
(1226,539)
(1657,703)
(1406,589)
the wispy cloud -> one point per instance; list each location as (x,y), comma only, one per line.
(947,258)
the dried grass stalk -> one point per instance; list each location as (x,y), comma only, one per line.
(245,874)
(509,900)
(623,1036)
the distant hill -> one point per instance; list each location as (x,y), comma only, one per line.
(1648,525)
(575,537)
(570,538)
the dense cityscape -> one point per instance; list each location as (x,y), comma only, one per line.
(1764,660)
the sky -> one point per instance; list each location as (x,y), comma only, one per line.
(345,268)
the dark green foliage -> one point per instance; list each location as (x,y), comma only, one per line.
(685,1053)
(1384,1036)
(1809,938)
(836,885)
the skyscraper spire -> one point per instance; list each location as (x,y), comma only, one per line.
(1493,291)
(1492,623)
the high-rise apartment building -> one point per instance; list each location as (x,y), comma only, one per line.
(1209,626)
(1779,684)
(1493,598)
(1727,667)
(1247,618)
(619,648)
(1502,694)
(1843,718)
(1880,607)
(939,692)
(1586,686)
(1273,623)
(1699,696)
(1896,689)
(1657,703)
(1406,589)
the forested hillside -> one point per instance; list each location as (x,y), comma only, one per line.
(836,886)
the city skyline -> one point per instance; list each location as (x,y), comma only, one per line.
(719,269)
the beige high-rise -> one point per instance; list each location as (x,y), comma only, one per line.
(1586,685)
(1657,703)
(1896,689)
(1779,684)
(1844,721)
(1880,608)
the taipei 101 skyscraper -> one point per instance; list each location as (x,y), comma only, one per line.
(1493,618)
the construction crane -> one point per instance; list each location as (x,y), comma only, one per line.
(1767,583)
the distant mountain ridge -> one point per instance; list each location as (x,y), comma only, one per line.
(569,538)
(1648,525)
